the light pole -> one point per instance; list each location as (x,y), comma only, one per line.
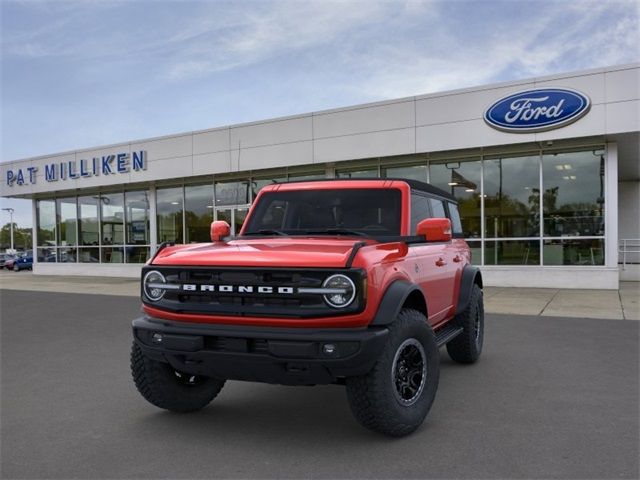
(10,210)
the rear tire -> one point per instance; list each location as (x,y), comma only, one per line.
(396,395)
(164,387)
(467,347)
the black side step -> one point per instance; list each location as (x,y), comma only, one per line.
(447,333)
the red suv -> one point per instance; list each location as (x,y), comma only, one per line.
(354,282)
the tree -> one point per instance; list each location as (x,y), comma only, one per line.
(21,237)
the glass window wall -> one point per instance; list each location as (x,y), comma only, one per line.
(462,180)
(88,223)
(67,221)
(169,211)
(573,199)
(198,211)
(46,222)
(512,197)
(112,218)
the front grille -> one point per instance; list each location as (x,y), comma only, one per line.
(230,295)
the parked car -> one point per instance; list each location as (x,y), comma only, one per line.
(352,282)
(5,257)
(23,262)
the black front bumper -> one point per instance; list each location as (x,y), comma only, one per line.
(300,356)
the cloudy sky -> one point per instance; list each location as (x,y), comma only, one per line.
(84,73)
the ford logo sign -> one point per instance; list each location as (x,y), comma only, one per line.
(537,110)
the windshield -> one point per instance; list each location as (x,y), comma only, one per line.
(374,212)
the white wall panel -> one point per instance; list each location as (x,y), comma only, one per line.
(592,123)
(286,154)
(212,141)
(623,85)
(592,85)
(209,163)
(469,134)
(623,117)
(177,167)
(366,119)
(378,144)
(160,148)
(456,108)
(271,133)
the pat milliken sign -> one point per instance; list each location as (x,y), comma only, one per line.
(537,110)
(115,164)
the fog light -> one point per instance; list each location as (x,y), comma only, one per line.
(329,348)
(157,338)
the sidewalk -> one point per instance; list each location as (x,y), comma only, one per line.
(623,304)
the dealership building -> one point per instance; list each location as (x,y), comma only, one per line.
(546,171)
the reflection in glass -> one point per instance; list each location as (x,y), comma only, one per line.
(112,255)
(137,254)
(66,254)
(573,198)
(573,251)
(258,183)
(88,254)
(67,218)
(307,176)
(512,252)
(198,211)
(239,215)
(46,222)
(462,180)
(169,211)
(512,197)
(88,221)
(112,218)
(413,172)
(476,251)
(232,193)
(47,254)
(368,173)
(137,217)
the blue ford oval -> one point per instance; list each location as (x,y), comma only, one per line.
(537,110)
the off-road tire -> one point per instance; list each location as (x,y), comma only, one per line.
(374,398)
(467,347)
(161,386)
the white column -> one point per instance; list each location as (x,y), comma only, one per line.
(611,205)
(34,230)
(153,234)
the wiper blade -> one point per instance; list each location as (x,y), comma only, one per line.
(336,231)
(267,232)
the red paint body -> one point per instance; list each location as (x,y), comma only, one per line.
(435,266)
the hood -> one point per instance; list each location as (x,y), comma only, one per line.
(264,252)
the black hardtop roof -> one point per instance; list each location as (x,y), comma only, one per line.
(414,184)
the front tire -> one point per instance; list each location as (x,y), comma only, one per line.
(165,387)
(396,395)
(467,347)
(16,268)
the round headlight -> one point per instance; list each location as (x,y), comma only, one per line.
(343,291)
(152,285)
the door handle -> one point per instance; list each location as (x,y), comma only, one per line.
(457,259)
(440,262)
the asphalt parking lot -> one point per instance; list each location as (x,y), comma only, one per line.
(550,398)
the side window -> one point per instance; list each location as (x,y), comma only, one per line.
(437,207)
(419,210)
(456,223)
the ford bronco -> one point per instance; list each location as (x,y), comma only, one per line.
(352,282)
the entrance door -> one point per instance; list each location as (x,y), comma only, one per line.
(234,216)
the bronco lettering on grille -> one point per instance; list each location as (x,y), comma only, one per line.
(192,287)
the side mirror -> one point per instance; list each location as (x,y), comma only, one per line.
(435,229)
(219,230)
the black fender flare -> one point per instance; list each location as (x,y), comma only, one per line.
(470,275)
(393,300)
